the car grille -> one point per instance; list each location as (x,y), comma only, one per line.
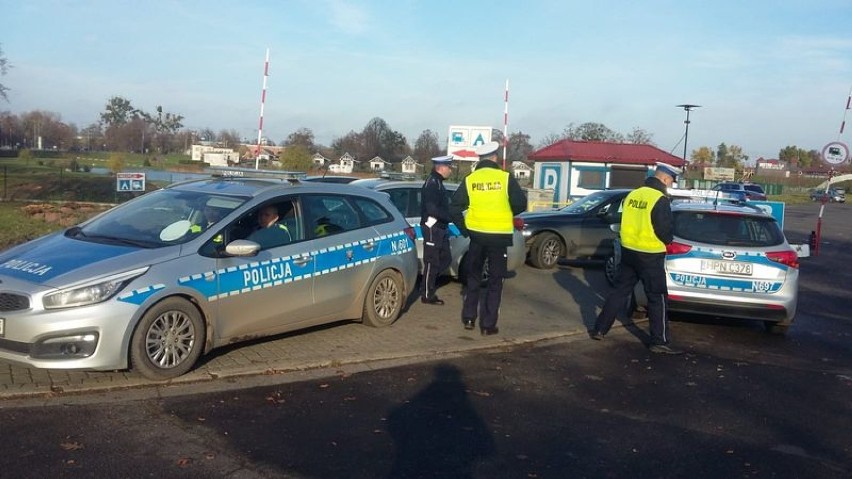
(13,302)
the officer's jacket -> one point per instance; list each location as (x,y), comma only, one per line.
(434,201)
(646,221)
(492,218)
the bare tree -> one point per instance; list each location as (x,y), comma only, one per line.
(640,137)
(426,146)
(519,147)
(228,138)
(301,137)
(349,143)
(4,68)
(550,139)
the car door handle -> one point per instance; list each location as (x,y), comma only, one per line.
(370,245)
(302,260)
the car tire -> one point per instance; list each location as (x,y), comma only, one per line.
(462,277)
(776,328)
(611,269)
(168,340)
(545,250)
(384,300)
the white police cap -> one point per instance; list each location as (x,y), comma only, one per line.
(487,148)
(446,160)
(669,169)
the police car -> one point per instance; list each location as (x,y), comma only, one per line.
(732,260)
(406,196)
(156,282)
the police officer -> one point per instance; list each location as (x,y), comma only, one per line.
(646,229)
(491,197)
(434,221)
(270,232)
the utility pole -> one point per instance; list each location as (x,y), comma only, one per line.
(687,107)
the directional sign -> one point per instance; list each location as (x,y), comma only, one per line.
(130,182)
(835,153)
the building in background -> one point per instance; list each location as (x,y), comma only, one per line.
(572,169)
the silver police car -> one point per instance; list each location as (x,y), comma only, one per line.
(158,281)
(731,260)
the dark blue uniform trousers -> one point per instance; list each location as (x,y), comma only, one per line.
(489,309)
(436,257)
(651,269)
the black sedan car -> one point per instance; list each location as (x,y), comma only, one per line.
(579,230)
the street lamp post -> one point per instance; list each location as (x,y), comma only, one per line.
(687,107)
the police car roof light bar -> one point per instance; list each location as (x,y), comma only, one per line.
(226,172)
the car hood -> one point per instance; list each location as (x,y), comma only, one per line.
(56,260)
(546,215)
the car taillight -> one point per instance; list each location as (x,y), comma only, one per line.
(518,222)
(788,258)
(411,234)
(677,248)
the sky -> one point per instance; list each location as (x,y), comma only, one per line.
(766,73)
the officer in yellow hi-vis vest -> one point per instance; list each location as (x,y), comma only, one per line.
(483,208)
(646,229)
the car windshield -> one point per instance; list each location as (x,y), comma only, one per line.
(755,188)
(160,218)
(585,203)
(727,229)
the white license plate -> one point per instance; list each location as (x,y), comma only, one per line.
(727,267)
(2,327)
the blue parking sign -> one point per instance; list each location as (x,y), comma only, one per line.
(774,208)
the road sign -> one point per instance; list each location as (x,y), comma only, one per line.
(835,153)
(129,182)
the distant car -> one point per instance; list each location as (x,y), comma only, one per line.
(156,282)
(405,195)
(331,179)
(831,196)
(754,192)
(736,190)
(579,230)
(731,261)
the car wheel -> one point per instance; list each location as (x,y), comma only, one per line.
(546,249)
(776,328)
(611,270)
(384,300)
(168,340)
(462,276)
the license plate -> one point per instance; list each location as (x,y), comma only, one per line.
(2,327)
(727,267)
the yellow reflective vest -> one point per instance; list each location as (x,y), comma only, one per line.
(489,210)
(637,231)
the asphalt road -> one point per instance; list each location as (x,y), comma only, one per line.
(740,403)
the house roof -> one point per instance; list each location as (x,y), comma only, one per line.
(604,152)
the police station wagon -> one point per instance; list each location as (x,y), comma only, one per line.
(156,282)
(731,261)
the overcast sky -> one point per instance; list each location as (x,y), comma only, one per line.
(767,73)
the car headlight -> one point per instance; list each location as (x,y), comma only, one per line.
(90,293)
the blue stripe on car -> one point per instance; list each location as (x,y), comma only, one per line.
(699,281)
(269,273)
